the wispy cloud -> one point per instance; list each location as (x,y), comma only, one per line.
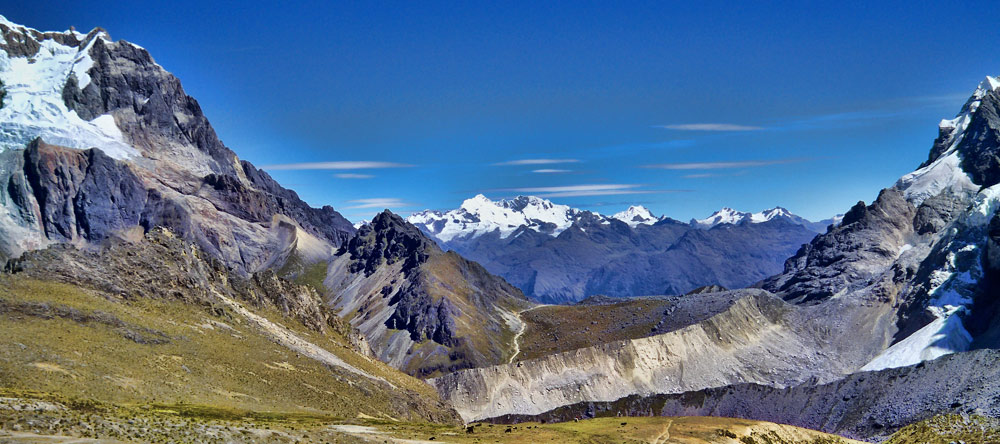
(700,176)
(710,127)
(353,176)
(586,190)
(550,171)
(536,162)
(709,175)
(723,165)
(343,165)
(378,202)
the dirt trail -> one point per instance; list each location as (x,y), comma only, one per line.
(520,332)
(665,436)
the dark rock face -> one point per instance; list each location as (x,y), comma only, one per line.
(79,193)
(423,318)
(866,405)
(124,78)
(979,147)
(669,257)
(387,240)
(865,243)
(934,213)
(16,45)
(992,257)
(125,81)
(324,222)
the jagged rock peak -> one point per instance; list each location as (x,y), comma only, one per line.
(389,239)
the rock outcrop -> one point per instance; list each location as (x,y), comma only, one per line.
(865,243)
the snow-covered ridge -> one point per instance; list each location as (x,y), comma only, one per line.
(946,172)
(636,215)
(730,216)
(479,215)
(34,107)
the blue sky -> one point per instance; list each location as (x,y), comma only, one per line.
(681,107)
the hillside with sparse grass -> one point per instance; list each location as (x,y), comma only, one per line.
(180,339)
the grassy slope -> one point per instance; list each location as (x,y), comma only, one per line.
(557,328)
(216,361)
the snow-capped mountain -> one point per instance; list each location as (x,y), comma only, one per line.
(637,215)
(96,139)
(480,215)
(730,216)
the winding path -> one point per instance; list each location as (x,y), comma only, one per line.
(520,332)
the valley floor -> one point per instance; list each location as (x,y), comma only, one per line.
(44,418)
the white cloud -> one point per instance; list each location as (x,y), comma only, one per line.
(353,176)
(378,202)
(722,165)
(536,162)
(700,176)
(711,127)
(550,171)
(585,190)
(344,165)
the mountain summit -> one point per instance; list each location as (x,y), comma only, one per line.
(636,215)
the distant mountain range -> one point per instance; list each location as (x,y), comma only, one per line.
(480,215)
(558,254)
